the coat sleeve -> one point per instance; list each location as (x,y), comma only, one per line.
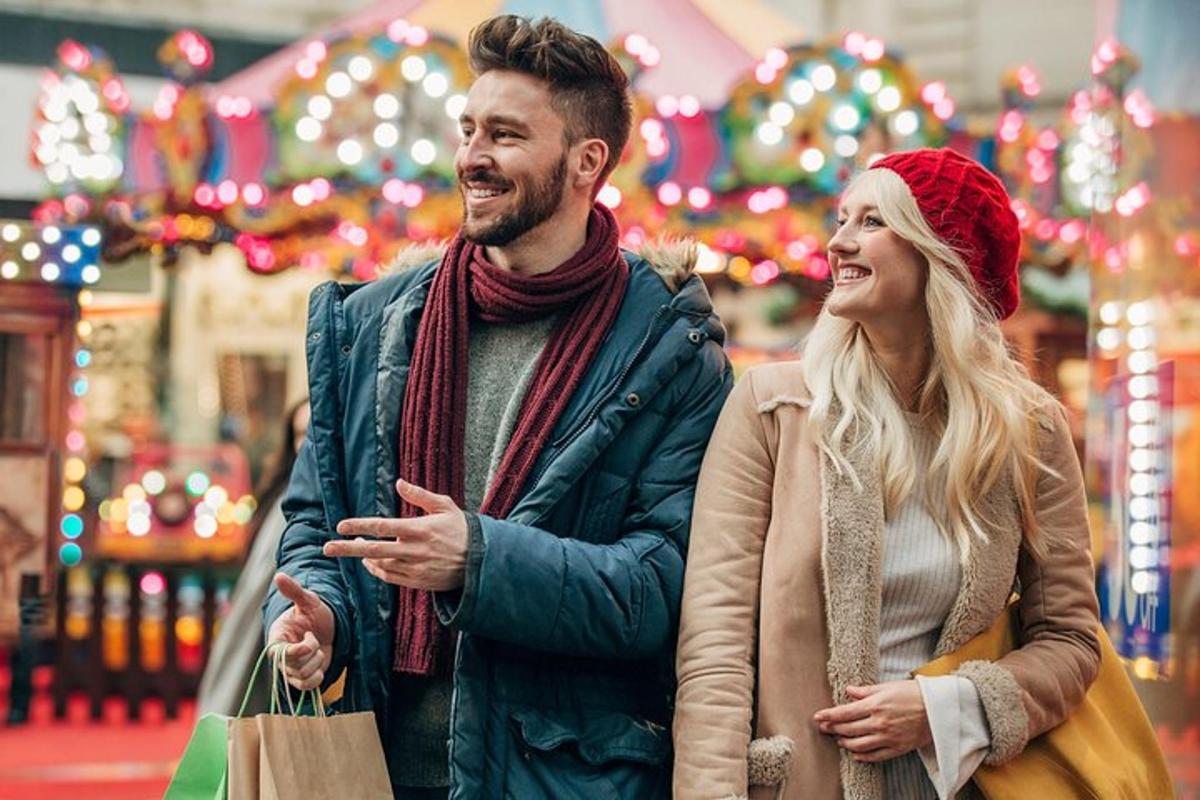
(300,557)
(1038,685)
(718,628)
(560,595)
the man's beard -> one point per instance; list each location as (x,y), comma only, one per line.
(539,204)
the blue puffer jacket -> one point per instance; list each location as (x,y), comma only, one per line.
(567,621)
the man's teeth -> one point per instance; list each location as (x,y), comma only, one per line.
(851,273)
(482,193)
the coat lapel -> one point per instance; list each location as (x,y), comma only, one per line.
(852,566)
(988,571)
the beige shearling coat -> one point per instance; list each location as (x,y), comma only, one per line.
(782,596)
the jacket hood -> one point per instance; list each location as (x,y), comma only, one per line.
(673,259)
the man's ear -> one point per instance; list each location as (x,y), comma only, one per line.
(593,156)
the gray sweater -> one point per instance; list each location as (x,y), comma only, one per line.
(500,367)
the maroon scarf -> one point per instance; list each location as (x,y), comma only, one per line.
(589,287)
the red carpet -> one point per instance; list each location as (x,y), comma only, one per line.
(75,758)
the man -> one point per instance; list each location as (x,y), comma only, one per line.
(517,427)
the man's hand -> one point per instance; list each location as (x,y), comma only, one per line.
(427,552)
(308,626)
(882,721)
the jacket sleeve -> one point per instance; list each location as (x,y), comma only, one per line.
(715,661)
(530,587)
(1038,685)
(300,557)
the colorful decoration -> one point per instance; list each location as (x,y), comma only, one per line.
(179,504)
(68,255)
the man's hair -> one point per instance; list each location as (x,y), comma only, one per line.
(588,89)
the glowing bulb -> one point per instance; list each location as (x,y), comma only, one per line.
(435,84)
(888,98)
(770,134)
(455,106)
(386,106)
(870,81)
(386,135)
(845,145)
(308,129)
(812,159)
(338,84)
(360,68)
(782,113)
(823,78)
(320,107)
(349,152)
(800,91)
(906,122)
(424,152)
(413,68)
(846,117)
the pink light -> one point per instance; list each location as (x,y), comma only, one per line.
(777,196)
(1071,232)
(933,91)
(152,583)
(798,250)
(635,236)
(1113,260)
(1047,140)
(689,106)
(393,190)
(764,73)
(758,203)
(657,148)
(944,109)
(699,197)
(636,44)
(1021,209)
(853,43)
(1044,230)
(397,30)
(417,36)
(75,56)
(764,272)
(312,260)
(667,105)
(317,51)
(242,107)
(205,195)
(321,188)
(77,413)
(224,106)
(76,441)
(227,192)
(651,129)
(776,58)
(254,194)
(817,268)
(872,50)
(651,57)
(669,193)
(306,68)
(414,195)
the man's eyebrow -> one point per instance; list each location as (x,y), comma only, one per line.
(496,120)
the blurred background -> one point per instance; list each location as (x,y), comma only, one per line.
(176,176)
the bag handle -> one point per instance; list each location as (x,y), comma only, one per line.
(276,651)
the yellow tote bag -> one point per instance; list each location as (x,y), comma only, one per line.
(1106,749)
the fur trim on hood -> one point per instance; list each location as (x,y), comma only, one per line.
(673,259)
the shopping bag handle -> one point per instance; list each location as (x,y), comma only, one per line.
(276,651)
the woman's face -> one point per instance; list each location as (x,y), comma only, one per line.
(877,275)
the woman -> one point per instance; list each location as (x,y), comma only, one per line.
(872,506)
(239,638)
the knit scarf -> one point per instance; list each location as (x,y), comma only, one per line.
(587,289)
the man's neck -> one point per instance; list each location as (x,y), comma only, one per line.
(543,248)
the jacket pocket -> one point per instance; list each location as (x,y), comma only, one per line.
(588,755)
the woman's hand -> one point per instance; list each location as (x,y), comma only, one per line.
(881,722)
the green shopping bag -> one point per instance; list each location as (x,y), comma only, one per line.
(203,770)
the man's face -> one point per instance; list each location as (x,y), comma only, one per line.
(511,160)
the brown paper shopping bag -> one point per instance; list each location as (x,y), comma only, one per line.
(284,755)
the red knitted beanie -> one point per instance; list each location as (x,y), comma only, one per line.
(968,208)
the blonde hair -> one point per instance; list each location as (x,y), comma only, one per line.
(978,401)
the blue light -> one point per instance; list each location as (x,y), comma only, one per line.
(83,358)
(70,554)
(79,387)
(72,526)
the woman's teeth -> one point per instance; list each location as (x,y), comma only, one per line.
(852,273)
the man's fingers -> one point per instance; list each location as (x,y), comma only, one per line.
(862,744)
(302,598)
(363,548)
(859,727)
(379,527)
(427,501)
